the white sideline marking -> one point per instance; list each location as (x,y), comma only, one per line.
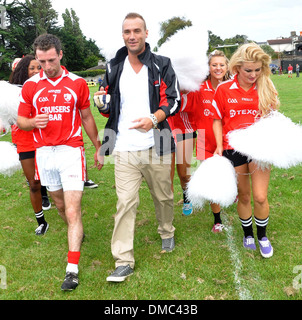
(243,292)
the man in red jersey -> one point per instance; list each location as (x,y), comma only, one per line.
(55,104)
(290,69)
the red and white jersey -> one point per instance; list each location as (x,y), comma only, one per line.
(236,107)
(62,99)
(23,139)
(185,120)
(206,143)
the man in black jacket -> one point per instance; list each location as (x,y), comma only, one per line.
(143,91)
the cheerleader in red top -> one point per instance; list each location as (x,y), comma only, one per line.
(238,103)
(206,143)
(27,67)
(184,128)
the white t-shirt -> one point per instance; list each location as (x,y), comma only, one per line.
(134,91)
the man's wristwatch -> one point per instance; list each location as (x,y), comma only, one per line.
(154,120)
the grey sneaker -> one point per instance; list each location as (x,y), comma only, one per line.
(168,245)
(120,274)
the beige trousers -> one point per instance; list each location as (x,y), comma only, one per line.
(130,169)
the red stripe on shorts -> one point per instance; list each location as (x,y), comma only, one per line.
(83,163)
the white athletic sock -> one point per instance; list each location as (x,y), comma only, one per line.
(71,267)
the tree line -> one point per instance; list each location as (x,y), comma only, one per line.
(171,26)
(30,18)
(228,45)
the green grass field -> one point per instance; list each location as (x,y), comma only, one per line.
(204,266)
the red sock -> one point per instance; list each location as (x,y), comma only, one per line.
(73,257)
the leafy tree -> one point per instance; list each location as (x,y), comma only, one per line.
(25,20)
(92,54)
(73,41)
(16,40)
(30,18)
(72,24)
(92,49)
(214,41)
(228,45)
(79,53)
(44,16)
(170,27)
(238,39)
(270,51)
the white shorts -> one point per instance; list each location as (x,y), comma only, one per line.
(61,167)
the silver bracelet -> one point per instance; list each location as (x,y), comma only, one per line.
(154,120)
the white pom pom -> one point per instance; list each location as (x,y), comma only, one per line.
(187,50)
(273,140)
(215,181)
(9,103)
(9,159)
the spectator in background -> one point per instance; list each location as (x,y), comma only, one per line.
(290,71)
(297,70)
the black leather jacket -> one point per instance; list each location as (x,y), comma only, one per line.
(164,94)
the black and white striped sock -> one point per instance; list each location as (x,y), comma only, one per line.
(186,200)
(40,217)
(261,227)
(247,226)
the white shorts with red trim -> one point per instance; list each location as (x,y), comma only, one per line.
(61,167)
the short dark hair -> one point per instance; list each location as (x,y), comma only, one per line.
(134,15)
(47,41)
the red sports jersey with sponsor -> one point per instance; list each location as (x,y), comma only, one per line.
(23,139)
(206,143)
(236,107)
(185,120)
(61,98)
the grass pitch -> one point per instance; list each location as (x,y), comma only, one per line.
(204,266)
